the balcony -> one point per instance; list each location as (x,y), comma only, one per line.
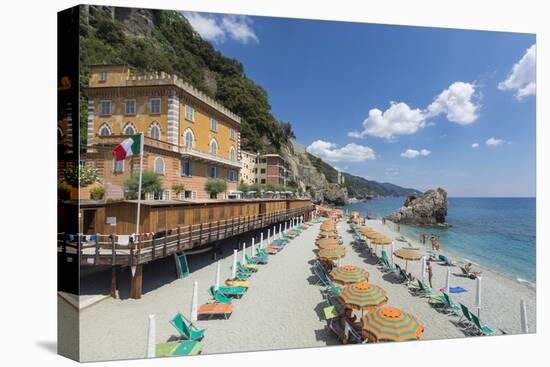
(186,152)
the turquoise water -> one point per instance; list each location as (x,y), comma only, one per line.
(497,233)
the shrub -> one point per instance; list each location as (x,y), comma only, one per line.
(150,184)
(214,186)
(178,188)
(244,187)
(80,176)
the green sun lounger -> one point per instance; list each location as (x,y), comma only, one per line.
(447,303)
(180,348)
(248,267)
(256,259)
(483,329)
(186,328)
(466,318)
(218,296)
(235,291)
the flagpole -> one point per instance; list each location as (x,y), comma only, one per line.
(139,183)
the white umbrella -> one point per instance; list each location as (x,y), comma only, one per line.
(392,250)
(448,280)
(478,295)
(234,268)
(218,272)
(423,268)
(274,232)
(244,254)
(253,248)
(280,230)
(151,337)
(195,302)
(523,319)
(262,239)
(285,226)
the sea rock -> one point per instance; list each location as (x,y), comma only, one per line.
(428,209)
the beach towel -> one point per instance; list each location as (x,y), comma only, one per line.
(457,290)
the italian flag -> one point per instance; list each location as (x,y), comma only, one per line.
(128,147)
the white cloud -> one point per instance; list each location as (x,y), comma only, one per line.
(522,78)
(348,153)
(219,28)
(398,119)
(457,103)
(412,153)
(493,142)
(475,145)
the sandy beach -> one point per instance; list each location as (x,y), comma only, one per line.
(283,307)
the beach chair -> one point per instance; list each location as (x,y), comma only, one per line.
(483,329)
(256,260)
(186,328)
(445,260)
(445,301)
(211,310)
(323,279)
(245,270)
(251,267)
(466,318)
(346,334)
(241,275)
(218,296)
(179,348)
(233,291)
(237,283)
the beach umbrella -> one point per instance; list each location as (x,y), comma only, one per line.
(332,253)
(363,296)
(151,331)
(523,317)
(234,268)
(195,302)
(327,241)
(407,255)
(218,273)
(268,234)
(243,258)
(274,231)
(388,324)
(325,245)
(332,234)
(252,248)
(280,230)
(392,250)
(478,296)
(448,281)
(349,274)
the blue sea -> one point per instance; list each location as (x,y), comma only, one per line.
(497,233)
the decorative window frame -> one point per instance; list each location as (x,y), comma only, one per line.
(157,159)
(151,112)
(129,124)
(101,102)
(104,126)
(126,107)
(189,108)
(185,132)
(153,125)
(210,147)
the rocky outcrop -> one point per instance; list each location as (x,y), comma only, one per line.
(428,209)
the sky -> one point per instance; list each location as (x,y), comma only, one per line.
(415,106)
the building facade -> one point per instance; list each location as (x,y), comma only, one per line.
(189,137)
(272,169)
(248,169)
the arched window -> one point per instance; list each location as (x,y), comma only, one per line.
(189,138)
(159,165)
(105,130)
(154,131)
(231,153)
(129,129)
(213,147)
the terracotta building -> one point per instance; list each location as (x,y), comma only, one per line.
(189,137)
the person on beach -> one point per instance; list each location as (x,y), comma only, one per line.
(435,244)
(398,227)
(411,278)
(349,318)
(469,269)
(430,271)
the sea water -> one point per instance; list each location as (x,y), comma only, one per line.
(497,233)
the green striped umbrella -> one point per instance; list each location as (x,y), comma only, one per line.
(388,324)
(332,253)
(349,274)
(363,296)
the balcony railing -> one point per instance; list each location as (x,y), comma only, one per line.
(184,150)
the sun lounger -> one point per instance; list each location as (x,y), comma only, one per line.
(445,301)
(210,310)
(347,335)
(237,283)
(483,329)
(273,250)
(180,348)
(256,260)
(466,318)
(218,296)
(234,291)
(247,267)
(446,260)
(186,328)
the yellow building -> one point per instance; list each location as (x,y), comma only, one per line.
(189,136)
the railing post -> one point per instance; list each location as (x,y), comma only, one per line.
(153,255)
(113,254)
(179,238)
(165,243)
(200,234)
(96,261)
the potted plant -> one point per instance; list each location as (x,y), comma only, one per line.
(214,186)
(178,188)
(97,193)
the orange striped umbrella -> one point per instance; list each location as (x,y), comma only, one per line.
(332,253)
(363,296)
(329,234)
(327,241)
(328,245)
(388,324)
(349,274)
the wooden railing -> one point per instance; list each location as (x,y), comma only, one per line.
(106,249)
